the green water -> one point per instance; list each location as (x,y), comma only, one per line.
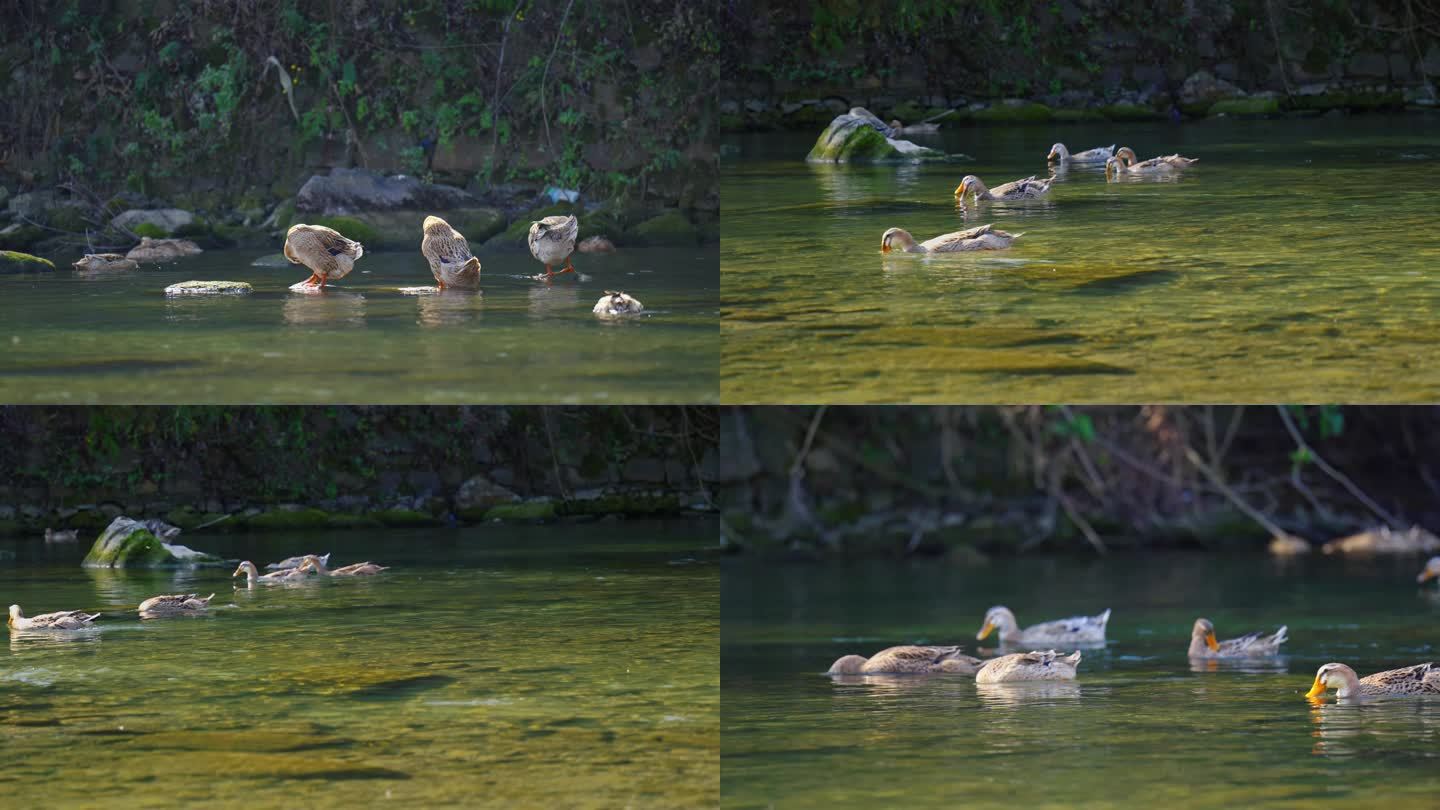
(1139,727)
(115,338)
(1296,262)
(517,666)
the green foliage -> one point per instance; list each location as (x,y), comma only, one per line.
(350,228)
(149,229)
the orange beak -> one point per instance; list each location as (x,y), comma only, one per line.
(1427,574)
(1316,689)
(1211,642)
(984,631)
(1050,156)
(960,191)
(884,247)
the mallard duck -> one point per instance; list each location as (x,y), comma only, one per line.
(908,659)
(161,250)
(1383,540)
(1414,681)
(294,562)
(174,605)
(1124,163)
(1431,571)
(1253,645)
(922,128)
(1027,189)
(61,535)
(1032,666)
(1286,545)
(984,237)
(1074,629)
(63,620)
(1127,156)
(253,576)
(617,305)
(100,262)
(326,253)
(1099,154)
(312,563)
(552,240)
(451,261)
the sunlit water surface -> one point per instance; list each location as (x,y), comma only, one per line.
(114,337)
(1296,262)
(1141,726)
(518,666)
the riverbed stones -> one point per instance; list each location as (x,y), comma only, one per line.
(858,137)
(14,262)
(168,220)
(209,288)
(162,250)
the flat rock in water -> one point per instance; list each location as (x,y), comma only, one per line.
(209,288)
(166,219)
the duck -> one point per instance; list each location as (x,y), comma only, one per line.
(1288,545)
(312,563)
(1124,163)
(984,237)
(174,605)
(61,535)
(1252,645)
(451,261)
(1431,570)
(615,304)
(1027,189)
(1099,154)
(162,250)
(1384,540)
(1420,680)
(327,254)
(909,660)
(63,620)
(1032,666)
(1071,630)
(922,128)
(552,241)
(294,562)
(253,576)
(1128,156)
(100,262)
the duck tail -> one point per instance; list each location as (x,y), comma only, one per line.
(1104,617)
(1280,637)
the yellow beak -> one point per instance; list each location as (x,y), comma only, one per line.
(1316,690)
(885,248)
(1050,156)
(984,631)
(1211,642)
(960,190)
(1427,574)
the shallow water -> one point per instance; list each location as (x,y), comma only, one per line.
(1139,726)
(115,338)
(509,666)
(1295,262)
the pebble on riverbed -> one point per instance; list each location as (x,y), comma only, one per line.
(209,288)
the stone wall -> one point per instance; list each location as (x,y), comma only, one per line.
(327,467)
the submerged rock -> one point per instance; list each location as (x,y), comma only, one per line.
(128,543)
(209,288)
(596,244)
(859,136)
(168,220)
(15,262)
(161,250)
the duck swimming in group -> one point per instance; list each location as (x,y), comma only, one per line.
(1099,154)
(253,576)
(174,605)
(908,660)
(1032,666)
(451,261)
(1027,189)
(1077,629)
(552,241)
(1431,570)
(312,563)
(294,562)
(61,620)
(1125,162)
(1420,680)
(101,262)
(1252,645)
(325,252)
(984,237)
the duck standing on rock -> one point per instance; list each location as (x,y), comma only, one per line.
(62,620)
(552,241)
(174,605)
(326,253)
(451,261)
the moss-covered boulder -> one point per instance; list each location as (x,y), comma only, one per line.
(479,495)
(15,262)
(128,543)
(209,288)
(405,518)
(671,228)
(1253,106)
(536,510)
(859,137)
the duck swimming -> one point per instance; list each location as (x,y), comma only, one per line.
(1431,570)
(328,255)
(1061,631)
(174,605)
(253,576)
(451,261)
(1097,155)
(617,305)
(1253,645)
(294,562)
(913,660)
(1026,189)
(312,563)
(552,241)
(1421,680)
(101,262)
(62,620)
(1032,666)
(984,237)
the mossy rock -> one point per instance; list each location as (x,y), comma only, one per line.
(527,511)
(1078,116)
(1129,112)
(22,238)
(351,228)
(149,229)
(289,519)
(1027,113)
(202,233)
(401,518)
(907,112)
(1349,100)
(862,144)
(14,262)
(127,544)
(670,228)
(185,517)
(1246,107)
(285,214)
(67,218)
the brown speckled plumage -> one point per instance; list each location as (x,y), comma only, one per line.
(1032,666)
(62,620)
(908,660)
(174,604)
(984,237)
(1026,189)
(325,252)
(451,261)
(616,304)
(1251,645)
(552,241)
(97,262)
(1420,680)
